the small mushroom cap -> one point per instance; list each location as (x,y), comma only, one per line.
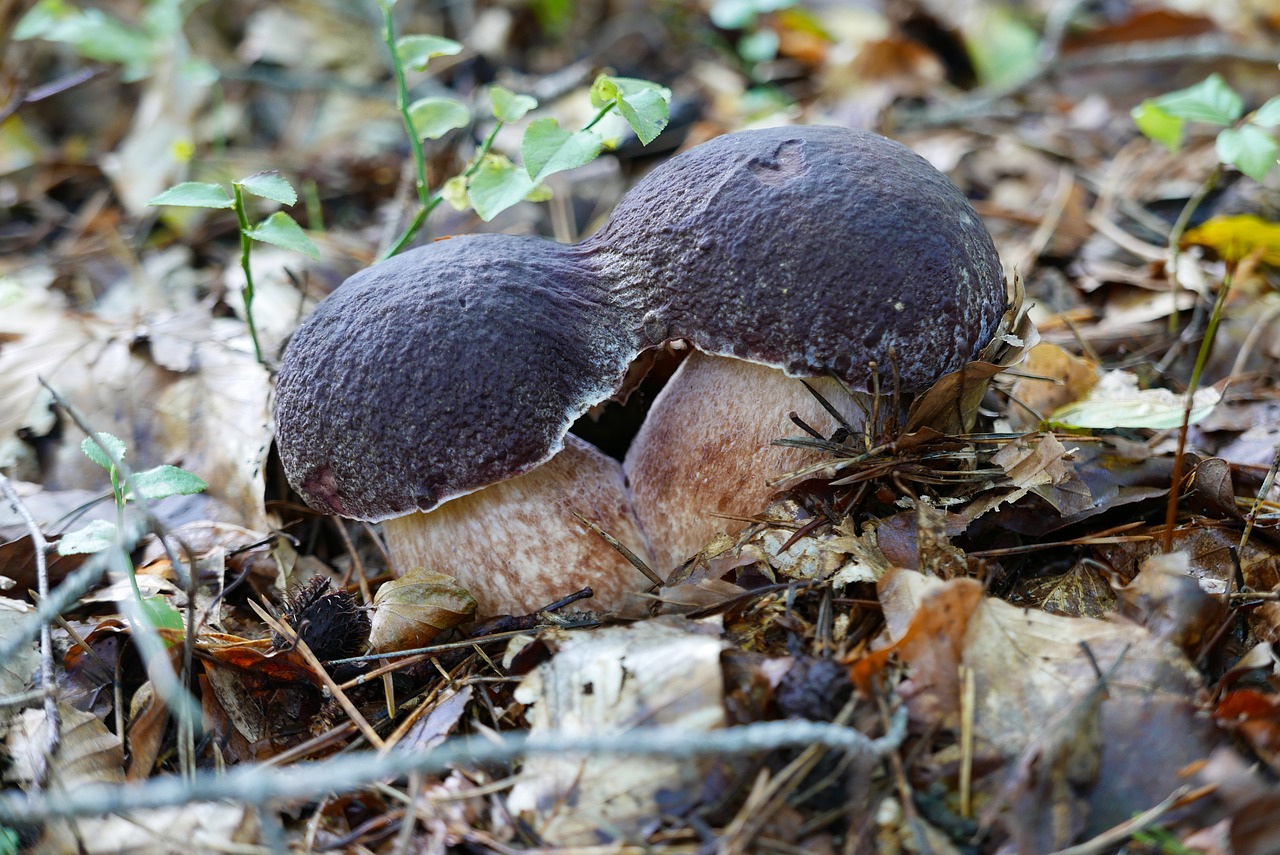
(814,249)
(443,370)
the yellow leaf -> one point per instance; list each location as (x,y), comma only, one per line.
(1237,236)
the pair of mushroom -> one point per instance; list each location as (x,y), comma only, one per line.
(436,390)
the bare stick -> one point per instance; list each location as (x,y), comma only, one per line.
(41,548)
(254,783)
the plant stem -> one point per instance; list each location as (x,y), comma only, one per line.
(436,198)
(484,149)
(604,111)
(1175,238)
(117,494)
(414,226)
(415,142)
(1206,347)
(246,244)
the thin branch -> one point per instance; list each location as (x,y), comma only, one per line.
(1119,834)
(41,548)
(258,784)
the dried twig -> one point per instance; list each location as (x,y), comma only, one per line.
(41,548)
(253,783)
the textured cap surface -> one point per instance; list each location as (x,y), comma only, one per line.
(813,249)
(460,364)
(443,370)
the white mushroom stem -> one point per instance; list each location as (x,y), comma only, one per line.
(516,546)
(702,461)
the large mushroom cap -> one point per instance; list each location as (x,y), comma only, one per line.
(443,370)
(814,249)
(448,368)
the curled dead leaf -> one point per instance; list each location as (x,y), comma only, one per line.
(411,611)
(1171,603)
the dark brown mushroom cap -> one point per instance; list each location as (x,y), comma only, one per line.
(813,249)
(451,367)
(443,370)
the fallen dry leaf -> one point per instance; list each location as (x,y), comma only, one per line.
(1028,667)
(662,672)
(413,610)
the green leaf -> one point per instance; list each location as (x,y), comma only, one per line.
(416,51)
(90,33)
(1249,149)
(1003,46)
(94,453)
(157,612)
(508,106)
(164,18)
(164,481)
(281,230)
(194,194)
(734,14)
(760,46)
(1159,126)
(553,15)
(95,537)
(548,148)
(497,185)
(643,104)
(269,185)
(432,118)
(1268,115)
(41,19)
(1211,100)
(1116,402)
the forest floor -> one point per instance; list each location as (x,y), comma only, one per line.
(1049,624)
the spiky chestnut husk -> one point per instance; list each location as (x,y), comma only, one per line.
(331,622)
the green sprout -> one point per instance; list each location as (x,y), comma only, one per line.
(1247,142)
(279,229)
(491,183)
(100,535)
(97,36)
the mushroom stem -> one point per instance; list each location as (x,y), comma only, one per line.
(702,462)
(516,545)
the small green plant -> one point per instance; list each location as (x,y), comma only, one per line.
(1164,841)
(757,44)
(490,183)
(8,841)
(97,36)
(1247,142)
(99,535)
(279,229)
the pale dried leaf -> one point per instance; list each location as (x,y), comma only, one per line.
(411,611)
(17,671)
(664,672)
(87,752)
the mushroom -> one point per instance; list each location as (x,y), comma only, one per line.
(451,368)
(543,551)
(425,378)
(703,459)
